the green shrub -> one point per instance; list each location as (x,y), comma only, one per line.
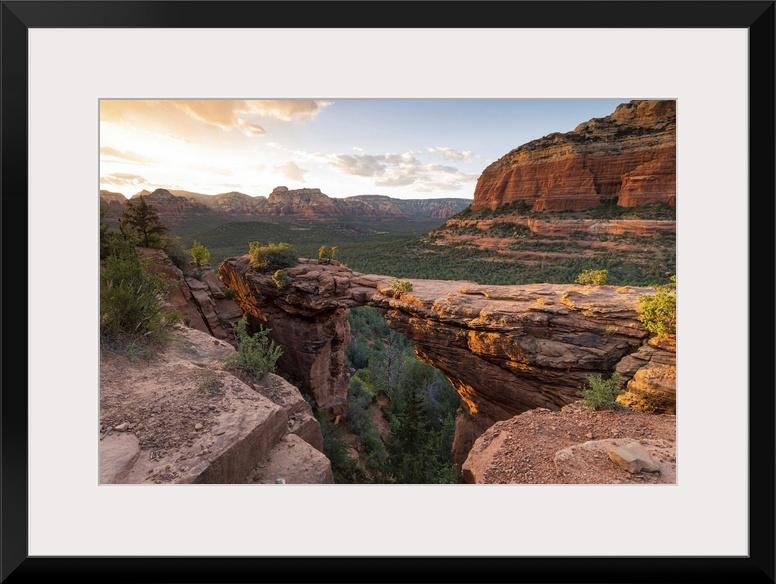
(601,393)
(334,252)
(401,286)
(257,354)
(211,386)
(200,253)
(132,302)
(658,311)
(272,256)
(324,254)
(593,277)
(280,277)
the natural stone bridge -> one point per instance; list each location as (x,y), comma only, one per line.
(505,349)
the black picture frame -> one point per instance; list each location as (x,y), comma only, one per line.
(756,16)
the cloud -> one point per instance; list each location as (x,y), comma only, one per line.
(292,171)
(385,167)
(388,170)
(123,179)
(400,170)
(250,129)
(443,169)
(109,152)
(226,114)
(451,153)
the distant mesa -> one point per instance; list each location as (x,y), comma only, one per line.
(308,203)
(628,156)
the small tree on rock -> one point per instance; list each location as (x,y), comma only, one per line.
(324,254)
(280,277)
(593,277)
(200,253)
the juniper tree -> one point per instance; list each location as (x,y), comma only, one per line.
(140,224)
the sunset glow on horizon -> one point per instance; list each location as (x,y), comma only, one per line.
(402,148)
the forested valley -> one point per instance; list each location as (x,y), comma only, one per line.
(401,417)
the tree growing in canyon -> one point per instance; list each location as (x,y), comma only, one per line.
(140,224)
(200,253)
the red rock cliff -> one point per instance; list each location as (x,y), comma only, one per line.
(630,154)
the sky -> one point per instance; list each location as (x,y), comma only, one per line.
(402,148)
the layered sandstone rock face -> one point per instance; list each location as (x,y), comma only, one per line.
(308,319)
(649,377)
(181,418)
(642,227)
(505,349)
(630,155)
(199,297)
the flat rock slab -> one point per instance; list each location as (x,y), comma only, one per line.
(118,454)
(188,420)
(293,462)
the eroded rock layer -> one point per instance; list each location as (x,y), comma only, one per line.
(629,155)
(505,349)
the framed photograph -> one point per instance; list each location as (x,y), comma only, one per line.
(65,62)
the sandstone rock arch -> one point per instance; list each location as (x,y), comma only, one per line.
(505,349)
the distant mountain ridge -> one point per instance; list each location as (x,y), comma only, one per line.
(308,203)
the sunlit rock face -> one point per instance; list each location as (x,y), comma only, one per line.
(505,349)
(629,155)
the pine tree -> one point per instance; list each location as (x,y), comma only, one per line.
(140,223)
(410,452)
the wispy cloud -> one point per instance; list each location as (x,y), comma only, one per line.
(451,153)
(387,169)
(292,171)
(398,170)
(123,179)
(227,114)
(115,154)
(250,129)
